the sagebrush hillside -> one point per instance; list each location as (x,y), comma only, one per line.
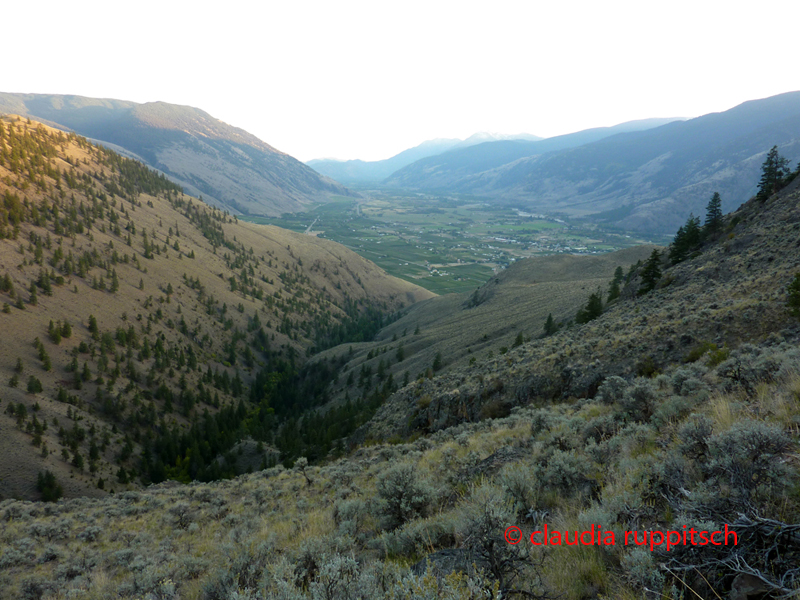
(454,331)
(131,312)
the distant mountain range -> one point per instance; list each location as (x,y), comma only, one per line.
(642,175)
(450,167)
(227,166)
(360,171)
(646,180)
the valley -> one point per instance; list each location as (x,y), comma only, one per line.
(449,244)
(131,311)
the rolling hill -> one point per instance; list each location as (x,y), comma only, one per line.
(227,166)
(132,311)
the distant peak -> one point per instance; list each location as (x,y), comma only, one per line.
(493,136)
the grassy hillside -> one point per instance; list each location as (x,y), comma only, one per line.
(227,166)
(142,313)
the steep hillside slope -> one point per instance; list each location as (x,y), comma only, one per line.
(449,170)
(225,165)
(733,292)
(461,329)
(131,310)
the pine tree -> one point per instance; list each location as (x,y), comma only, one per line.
(34,385)
(592,310)
(6,285)
(93,328)
(687,239)
(48,487)
(773,172)
(550,326)
(794,296)
(614,286)
(651,273)
(713,222)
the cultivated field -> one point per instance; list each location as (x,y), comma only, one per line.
(447,244)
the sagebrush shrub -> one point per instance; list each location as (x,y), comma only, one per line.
(483,520)
(611,390)
(749,455)
(565,471)
(639,400)
(694,436)
(641,571)
(520,485)
(403,496)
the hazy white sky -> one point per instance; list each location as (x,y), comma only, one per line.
(351,79)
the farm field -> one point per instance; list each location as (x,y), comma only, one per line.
(447,244)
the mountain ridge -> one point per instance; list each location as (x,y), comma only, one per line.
(645,180)
(488,155)
(361,171)
(228,166)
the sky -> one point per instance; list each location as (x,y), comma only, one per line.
(348,79)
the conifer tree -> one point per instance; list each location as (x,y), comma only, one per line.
(614,286)
(651,273)
(550,326)
(592,310)
(773,172)
(713,222)
(794,296)
(93,328)
(47,485)
(687,239)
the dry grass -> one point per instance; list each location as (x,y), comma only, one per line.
(725,411)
